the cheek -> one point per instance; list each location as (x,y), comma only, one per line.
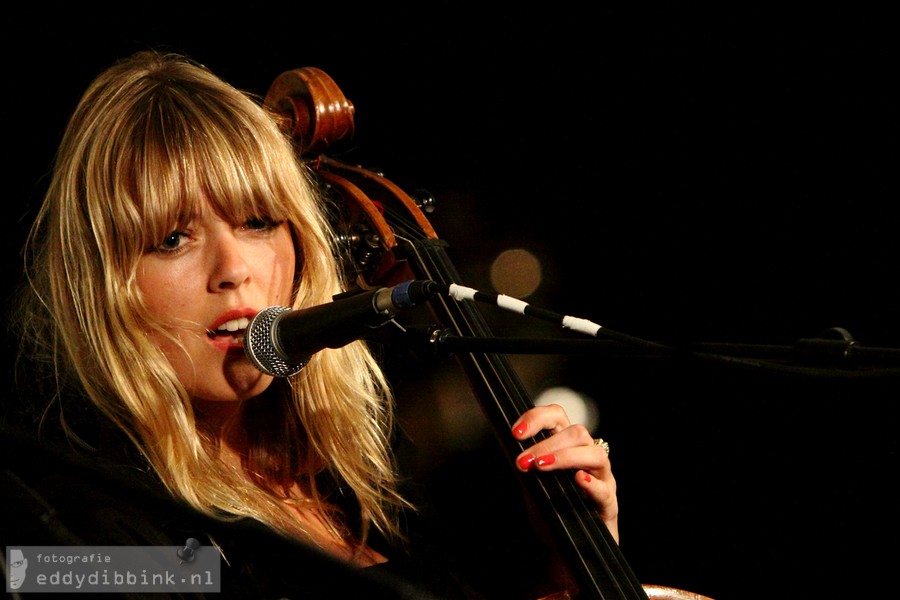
(284,266)
(159,290)
(150,282)
(172,301)
(287,283)
(166,307)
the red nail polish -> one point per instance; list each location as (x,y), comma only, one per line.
(520,429)
(546,460)
(526,461)
(587,477)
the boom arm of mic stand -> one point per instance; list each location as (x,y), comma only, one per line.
(813,351)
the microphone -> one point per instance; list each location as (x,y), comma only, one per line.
(279,341)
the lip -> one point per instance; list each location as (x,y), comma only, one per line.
(230,315)
(226,342)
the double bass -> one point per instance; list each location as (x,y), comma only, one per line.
(388,240)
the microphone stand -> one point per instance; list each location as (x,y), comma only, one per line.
(814,356)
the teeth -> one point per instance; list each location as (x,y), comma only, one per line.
(234,324)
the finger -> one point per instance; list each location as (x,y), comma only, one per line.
(573,436)
(571,448)
(557,453)
(603,493)
(552,418)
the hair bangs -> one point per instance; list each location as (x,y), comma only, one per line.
(187,158)
(238,185)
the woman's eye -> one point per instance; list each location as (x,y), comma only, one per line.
(172,242)
(261,223)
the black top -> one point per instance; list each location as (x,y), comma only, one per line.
(56,496)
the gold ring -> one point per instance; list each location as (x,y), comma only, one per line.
(603,444)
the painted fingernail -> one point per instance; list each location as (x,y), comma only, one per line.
(526,461)
(520,429)
(546,460)
(587,477)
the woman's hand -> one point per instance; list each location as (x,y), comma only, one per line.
(569,447)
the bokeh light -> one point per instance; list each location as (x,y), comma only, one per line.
(580,407)
(516,272)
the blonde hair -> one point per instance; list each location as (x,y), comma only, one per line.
(152,135)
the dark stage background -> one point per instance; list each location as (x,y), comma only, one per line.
(721,176)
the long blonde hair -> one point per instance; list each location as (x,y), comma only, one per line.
(149,134)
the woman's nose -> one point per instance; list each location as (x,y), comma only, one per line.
(230,264)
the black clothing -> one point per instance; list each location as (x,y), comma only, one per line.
(55,496)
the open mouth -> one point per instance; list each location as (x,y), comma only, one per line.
(233,330)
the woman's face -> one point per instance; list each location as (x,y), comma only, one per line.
(204,283)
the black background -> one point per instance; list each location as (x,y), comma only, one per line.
(714,176)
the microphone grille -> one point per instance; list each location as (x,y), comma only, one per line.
(260,347)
